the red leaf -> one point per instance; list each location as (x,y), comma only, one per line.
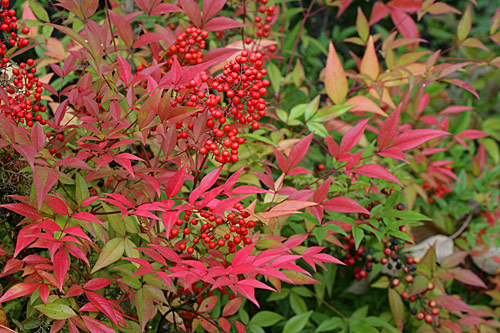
(43,179)
(103,304)
(192,11)
(222,23)
(175,182)
(352,137)
(452,303)
(232,306)
(212,7)
(456,109)
(377,171)
(61,266)
(466,276)
(97,283)
(19,290)
(96,326)
(224,323)
(333,147)
(205,184)
(57,205)
(298,152)
(414,138)
(464,85)
(281,159)
(472,134)
(388,129)
(208,303)
(86,216)
(364,104)
(23,210)
(149,38)
(38,137)
(60,112)
(165,8)
(242,255)
(379,11)
(124,69)
(44,293)
(344,205)
(405,24)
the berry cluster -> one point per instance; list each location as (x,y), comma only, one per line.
(24,90)
(438,189)
(421,307)
(404,268)
(243,85)
(362,262)
(212,231)
(187,49)
(8,26)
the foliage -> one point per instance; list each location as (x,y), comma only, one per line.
(181,165)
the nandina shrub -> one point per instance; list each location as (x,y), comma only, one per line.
(152,207)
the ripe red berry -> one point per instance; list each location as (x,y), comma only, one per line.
(395,282)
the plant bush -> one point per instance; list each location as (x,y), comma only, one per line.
(187,166)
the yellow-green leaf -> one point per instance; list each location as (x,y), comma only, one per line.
(112,252)
(56,311)
(397,307)
(335,79)
(369,64)
(464,25)
(362,25)
(298,74)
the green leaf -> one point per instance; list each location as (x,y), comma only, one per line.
(362,25)
(297,111)
(397,307)
(259,138)
(360,313)
(358,234)
(115,220)
(56,311)
(39,11)
(317,128)
(492,149)
(360,327)
(297,323)
(312,107)
(111,252)
(330,325)
(464,25)
(266,318)
(320,234)
(297,303)
(275,77)
(326,114)
(410,215)
(82,191)
(298,74)
(335,228)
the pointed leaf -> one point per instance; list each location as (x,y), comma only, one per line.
(43,180)
(352,137)
(414,138)
(369,64)
(377,171)
(388,129)
(111,252)
(335,78)
(464,25)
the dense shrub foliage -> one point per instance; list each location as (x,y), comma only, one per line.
(249,166)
